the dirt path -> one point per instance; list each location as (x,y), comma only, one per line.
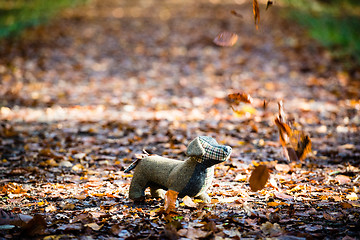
(80,97)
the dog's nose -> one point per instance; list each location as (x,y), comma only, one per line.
(228,150)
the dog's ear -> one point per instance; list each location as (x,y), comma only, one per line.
(195,148)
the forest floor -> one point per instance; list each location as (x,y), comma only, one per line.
(83,95)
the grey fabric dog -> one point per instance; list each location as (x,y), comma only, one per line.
(191,177)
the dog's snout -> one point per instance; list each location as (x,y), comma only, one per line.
(227,150)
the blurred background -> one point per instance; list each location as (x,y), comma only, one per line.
(333,23)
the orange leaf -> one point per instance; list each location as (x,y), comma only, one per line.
(296,144)
(256,13)
(273,204)
(259,177)
(170,201)
(301,142)
(237,98)
(226,39)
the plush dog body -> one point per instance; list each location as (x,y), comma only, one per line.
(191,177)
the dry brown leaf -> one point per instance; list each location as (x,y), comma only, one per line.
(226,39)
(189,202)
(259,177)
(346,205)
(94,226)
(342,179)
(329,217)
(283,196)
(170,201)
(256,13)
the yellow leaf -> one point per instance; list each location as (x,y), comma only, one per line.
(352,196)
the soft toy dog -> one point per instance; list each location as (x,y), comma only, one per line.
(191,177)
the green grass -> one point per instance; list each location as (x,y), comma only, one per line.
(16,15)
(334,23)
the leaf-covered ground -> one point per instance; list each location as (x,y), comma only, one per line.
(81,96)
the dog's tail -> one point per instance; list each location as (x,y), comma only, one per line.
(132,165)
(136,162)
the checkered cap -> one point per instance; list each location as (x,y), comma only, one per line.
(213,150)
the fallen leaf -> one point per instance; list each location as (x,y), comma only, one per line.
(271,229)
(313,228)
(233,12)
(329,217)
(283,196)
(193,233)
(352,196)
(259,177)
(170,201)
(226,39)
(346,205)
(189,202)
(342,179)
(273,204)
(282,168)
(94,226)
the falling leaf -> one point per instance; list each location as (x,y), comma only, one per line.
(170,201)
(237,98)
(265,104)
(256,13)
(233,12)
(268,4)
(259,177)
(226,39)
(296,144)
(189,202)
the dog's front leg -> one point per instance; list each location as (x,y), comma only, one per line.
(137,188)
